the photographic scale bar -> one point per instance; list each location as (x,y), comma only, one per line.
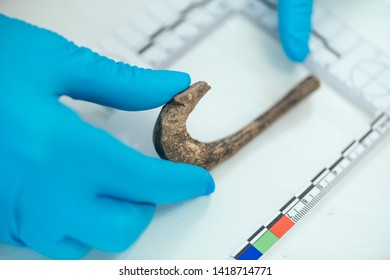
(300,205)
(338,55)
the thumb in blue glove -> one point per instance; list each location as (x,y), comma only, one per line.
(295,27)
(65,186)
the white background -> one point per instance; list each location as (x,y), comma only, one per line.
(248,72)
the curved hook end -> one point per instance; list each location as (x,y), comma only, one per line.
(170,131)
(192,95)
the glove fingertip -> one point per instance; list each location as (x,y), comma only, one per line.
(206,184)
(197,180)
(295,28)
(176,81)
(297,54)
(153,88)
(209,184)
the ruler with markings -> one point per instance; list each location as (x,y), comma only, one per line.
(357,69)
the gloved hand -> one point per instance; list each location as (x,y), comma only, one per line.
(295,27)
(65,186)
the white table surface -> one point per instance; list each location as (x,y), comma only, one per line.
(247,69)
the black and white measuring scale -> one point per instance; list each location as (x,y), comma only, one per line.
(338,55)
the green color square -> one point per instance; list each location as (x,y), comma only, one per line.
(265,242)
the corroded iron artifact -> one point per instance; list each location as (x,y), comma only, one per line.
(173,142)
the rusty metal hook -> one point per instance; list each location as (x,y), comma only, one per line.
(173,142)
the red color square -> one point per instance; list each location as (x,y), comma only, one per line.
(282,226)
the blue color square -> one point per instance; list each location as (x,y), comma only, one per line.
(251,253)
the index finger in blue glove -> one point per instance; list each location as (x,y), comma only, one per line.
(62,68)
(98,79)
(295,27)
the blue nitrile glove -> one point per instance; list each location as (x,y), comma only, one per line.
(295,27)
(65,186)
